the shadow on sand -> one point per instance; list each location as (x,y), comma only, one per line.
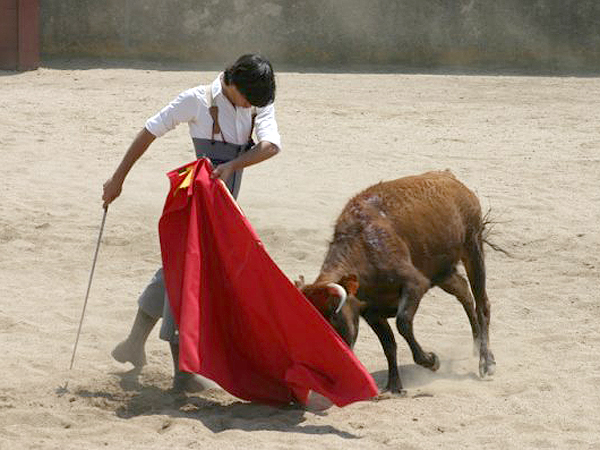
(216,410)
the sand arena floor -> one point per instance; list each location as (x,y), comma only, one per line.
(528,146)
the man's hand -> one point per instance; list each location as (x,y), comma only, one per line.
(261,151)
(223,171)
(112,189)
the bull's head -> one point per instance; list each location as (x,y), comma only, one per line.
(337,302)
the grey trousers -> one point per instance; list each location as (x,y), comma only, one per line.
(154,301)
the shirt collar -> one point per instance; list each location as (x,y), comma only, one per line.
(216,87)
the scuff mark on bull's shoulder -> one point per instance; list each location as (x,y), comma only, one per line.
(357,210)
(365,206)
(376,238)
(361,219)
(374,200)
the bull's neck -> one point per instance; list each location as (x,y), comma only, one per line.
(339,261)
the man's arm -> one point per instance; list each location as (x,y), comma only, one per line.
(114,185)
(260,152)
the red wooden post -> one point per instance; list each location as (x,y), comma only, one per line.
(19,34)
(29,34)
(8,35)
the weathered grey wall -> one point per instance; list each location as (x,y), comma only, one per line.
(559,33)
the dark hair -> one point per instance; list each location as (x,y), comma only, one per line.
(253,76)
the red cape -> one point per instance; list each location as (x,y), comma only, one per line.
(242,323)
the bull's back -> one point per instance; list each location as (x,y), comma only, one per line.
(434,214)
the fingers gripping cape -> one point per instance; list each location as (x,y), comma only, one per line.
(242,323)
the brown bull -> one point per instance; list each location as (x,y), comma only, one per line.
(391,244)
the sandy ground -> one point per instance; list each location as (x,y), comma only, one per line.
(528,146)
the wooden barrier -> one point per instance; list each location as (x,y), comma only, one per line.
(19,34)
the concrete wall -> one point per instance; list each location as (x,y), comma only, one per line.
(507,33)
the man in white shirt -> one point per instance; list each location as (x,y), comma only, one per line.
(221,118)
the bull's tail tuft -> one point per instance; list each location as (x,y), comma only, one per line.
(487,227)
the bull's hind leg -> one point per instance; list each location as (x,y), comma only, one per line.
(475,266)
(456,285)
(414,287)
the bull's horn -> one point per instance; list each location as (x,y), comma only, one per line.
(341,292)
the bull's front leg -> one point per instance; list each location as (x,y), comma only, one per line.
(414,287)
(382,329)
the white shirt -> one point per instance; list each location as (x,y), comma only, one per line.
(191,106)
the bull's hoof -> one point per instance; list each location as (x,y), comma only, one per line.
(388,394)
(429,361)
(435,365)
(126,352)
(487,365)
(395,389)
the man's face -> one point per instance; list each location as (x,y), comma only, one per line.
(237,98)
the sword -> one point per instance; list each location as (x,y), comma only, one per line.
(87,294)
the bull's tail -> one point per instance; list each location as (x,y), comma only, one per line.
(487,227)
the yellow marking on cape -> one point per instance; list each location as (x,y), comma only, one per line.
(188,173)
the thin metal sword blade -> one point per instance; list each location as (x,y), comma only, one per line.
(87,294)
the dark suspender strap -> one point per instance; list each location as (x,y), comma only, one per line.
(252,123)
(216,129)
(214,113)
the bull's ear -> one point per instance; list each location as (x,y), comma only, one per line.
(350,283)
